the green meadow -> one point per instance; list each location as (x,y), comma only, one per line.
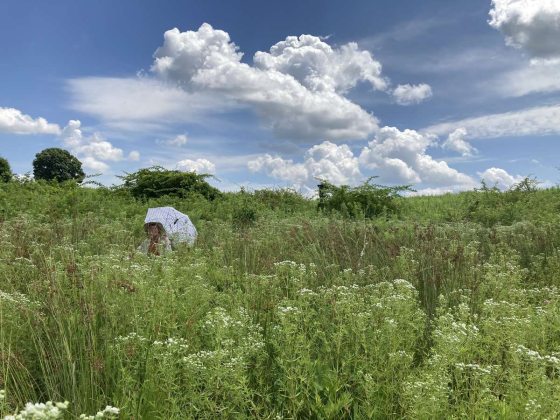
(446,308)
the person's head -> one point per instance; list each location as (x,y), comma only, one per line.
(154,230)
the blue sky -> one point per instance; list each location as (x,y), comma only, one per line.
(261,94)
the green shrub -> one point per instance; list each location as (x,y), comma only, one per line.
(367,200)
(283,199)
(491,206)
(157,182)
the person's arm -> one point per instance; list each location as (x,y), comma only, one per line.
(143,247)
(167,243)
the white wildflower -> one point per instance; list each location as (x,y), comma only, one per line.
(107,413)
(48,410)
(288,310)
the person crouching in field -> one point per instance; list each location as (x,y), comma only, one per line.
(157,241)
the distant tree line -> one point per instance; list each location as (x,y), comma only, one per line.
(59,165)
(52,164)
(487,205)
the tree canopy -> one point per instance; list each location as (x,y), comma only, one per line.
(5,170)
(56,164)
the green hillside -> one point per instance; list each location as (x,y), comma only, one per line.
(447,307)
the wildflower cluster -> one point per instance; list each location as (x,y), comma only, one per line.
(48,410)
(108,412)
(16,298)
(356,326)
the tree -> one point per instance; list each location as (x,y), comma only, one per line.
(5,170)
(55,164)
(156,182)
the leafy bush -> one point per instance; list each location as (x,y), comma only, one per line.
(284,199)
(490,206)
(157,182)
(244,212)
(5,170)
(367,200)
(55,164)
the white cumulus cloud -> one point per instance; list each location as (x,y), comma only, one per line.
(401,157)
(94,146)
(201,166)
(393,155)
(500,178)
(89,162)
(14,121)
(92,150)
(531,25)
(318,66)
(412,94)
(334,163)
(456,141)
(297,88)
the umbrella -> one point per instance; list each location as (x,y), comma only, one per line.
(177,225)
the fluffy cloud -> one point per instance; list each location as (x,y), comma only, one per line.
(336,164)
(412,94)
(499,177)
(279,168)
(457,143)
(531,25)
(14,121)
(92,150)
(543,120)
(319,67)
(534,27)
(201,166)
(297,88)
(400,157)
(395,156)
(89,162)
(93,146)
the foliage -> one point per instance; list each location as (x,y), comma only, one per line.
(281,199)
(244,214)
(56,164)
(300,316)
(5,170)
(367,200)
(491,206)
(157,182)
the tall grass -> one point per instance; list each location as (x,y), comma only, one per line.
(435,314)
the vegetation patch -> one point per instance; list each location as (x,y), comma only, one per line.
(397,307)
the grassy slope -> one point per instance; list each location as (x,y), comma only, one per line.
(298,315)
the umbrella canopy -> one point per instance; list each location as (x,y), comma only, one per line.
(177,225)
